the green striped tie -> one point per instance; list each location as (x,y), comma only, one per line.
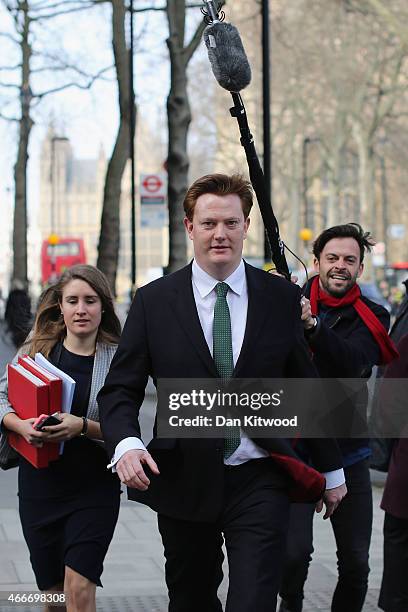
(223,357)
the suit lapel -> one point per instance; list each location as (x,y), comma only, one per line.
(183,303)
(259,308)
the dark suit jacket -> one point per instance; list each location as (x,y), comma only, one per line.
(395,498)
(163,338)
(400,325)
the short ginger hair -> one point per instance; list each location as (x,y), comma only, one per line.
(222,185)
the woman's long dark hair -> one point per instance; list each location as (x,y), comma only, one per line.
(49,327)
(18,315)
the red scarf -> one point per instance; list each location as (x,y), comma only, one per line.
(353,297)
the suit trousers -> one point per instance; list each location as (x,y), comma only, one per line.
(352,525)
(394,586)
(253,524)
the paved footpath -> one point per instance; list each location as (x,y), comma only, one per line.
(134,569)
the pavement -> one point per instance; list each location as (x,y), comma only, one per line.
(133,577)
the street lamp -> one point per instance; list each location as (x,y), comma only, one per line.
(266,97)
(53,240)
(305,234)
(308,218)
(54,182)
(132,157)
(306,142)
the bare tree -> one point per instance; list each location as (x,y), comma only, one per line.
(179,118)
(24,16)
(20,173)
(109,239)
(389,13)
(340,80)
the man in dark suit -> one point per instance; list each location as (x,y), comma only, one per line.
(207,489)
(394,586)
(400,326)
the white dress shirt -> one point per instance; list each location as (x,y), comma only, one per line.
(237,299)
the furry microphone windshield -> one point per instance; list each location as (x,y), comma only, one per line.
(227,56)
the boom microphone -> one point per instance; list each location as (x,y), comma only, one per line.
(232,71)
(227,56)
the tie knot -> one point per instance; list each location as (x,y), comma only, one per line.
(221,289)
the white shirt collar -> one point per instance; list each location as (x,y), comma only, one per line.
(205,283)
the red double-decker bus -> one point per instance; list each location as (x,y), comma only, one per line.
(58,254)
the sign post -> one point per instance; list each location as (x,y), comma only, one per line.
(153,200)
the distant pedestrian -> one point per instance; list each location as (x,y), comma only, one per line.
(17,315)
(69,510)
(400,325)
(394,587)
(15,325)
(2,304)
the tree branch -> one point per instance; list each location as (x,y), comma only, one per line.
(10,37)
(43,16)
(160,8)
(10,85)
(5,118)
(42,6)
(10,68)
(69,85)
(194,42)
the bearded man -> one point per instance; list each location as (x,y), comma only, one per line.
(347,335)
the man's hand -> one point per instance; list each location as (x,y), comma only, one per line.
(293,278)
(331,499)
(307,317)
(130,469)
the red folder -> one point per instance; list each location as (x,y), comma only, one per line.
(29,397)
(55,394)
(54,382)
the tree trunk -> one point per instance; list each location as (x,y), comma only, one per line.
(366,176)
(20,168)
(294,190)
(333,201)
(109,238)
(179,119)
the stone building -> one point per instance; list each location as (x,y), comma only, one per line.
(71,196)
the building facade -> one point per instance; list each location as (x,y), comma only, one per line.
(71,197)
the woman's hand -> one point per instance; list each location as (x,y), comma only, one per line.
(24,427)
(70,427)
(31,435)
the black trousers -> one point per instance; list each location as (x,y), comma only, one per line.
(394,586)
(254,525)
(352,525)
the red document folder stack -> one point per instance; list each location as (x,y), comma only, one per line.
(54,394)
(33,391)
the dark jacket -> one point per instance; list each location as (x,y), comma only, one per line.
(163,338)
(395,498)
(344,347)
(400,325)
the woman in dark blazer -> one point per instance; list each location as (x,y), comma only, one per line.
(394,588)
